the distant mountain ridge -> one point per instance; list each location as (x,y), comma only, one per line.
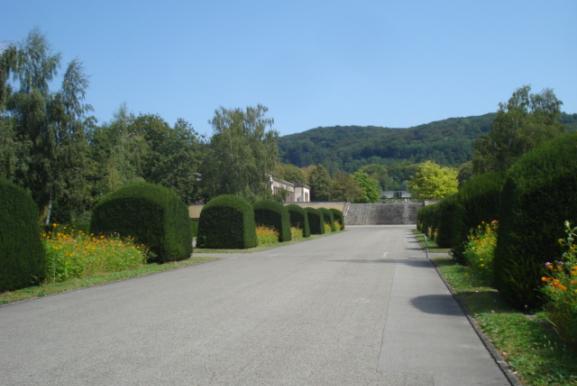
(447,141)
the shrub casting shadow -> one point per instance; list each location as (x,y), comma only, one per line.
(437,304)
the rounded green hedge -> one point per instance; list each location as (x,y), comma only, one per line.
(450,226)
(539,194)
(338,217)
(151,214)
(274,215)
(22,255)
(227,221)
(316,221)
(328,218)
(299,219)
(480,197)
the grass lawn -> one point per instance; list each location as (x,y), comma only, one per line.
(72,284)
(527,342)
(428,243)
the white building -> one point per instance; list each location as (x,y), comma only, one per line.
(292,192)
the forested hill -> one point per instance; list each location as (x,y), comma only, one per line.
(448,141)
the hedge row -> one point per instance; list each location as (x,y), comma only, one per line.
(230,222)
(531,202)
(151,214)
(22,255)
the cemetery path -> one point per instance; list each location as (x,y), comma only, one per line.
(363,307)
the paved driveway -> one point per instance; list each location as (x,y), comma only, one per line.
(362,307)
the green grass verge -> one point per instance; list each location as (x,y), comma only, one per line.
(527,342)
(429,243)
(264,247)
(72,284)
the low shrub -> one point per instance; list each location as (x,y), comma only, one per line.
(328,219)
(77,255)
(316,221)
(151,214)
(297,233)
(537,197)
(274,215)
(428,220)
(266,235)
(338,219)
(560,288)
(327,228)
(227,221)
(480,251)
(299,219)
(22,255)
(194,227)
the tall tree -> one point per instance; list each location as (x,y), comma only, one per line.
(369,187)
(242,152)
(321,184)
(432,181)
(522,123)
(346,188)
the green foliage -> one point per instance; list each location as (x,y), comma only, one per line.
(338,218)
(560,288)
(299,219)
(241,153)
(296,233)
(480,251)
(78,255)
(227,221)
(521,124)
(316,221)
(538,196)
(151,214)
(22,258)
(428,220)
(289,172)
(273,214)
(450,222)
(194,227)
(369,187)
(480,197)
(345,188)
(432,181)
(321,183)
(328,218)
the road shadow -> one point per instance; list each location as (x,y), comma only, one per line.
(409,262)
(437,304)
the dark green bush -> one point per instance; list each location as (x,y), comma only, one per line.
(450,226)
(274,215)
(428,220)
(338,217)
(194,227)
(22,256)
(316,221)
(328,218)
(227,221)
(299,219)
(539,194)
(480,198)
(151,214)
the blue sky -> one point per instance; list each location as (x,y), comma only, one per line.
(312,63)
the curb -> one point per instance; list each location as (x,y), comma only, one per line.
(495,354)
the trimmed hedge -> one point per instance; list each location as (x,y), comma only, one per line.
(539,194)
(151,214)
(227,221)
(480,197)
(338,216)
(274,215)
(22,255)
(298,218)
(316,221)
(328,218)
(428,220)
(450,222)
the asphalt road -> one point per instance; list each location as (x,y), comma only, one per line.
(362,307)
